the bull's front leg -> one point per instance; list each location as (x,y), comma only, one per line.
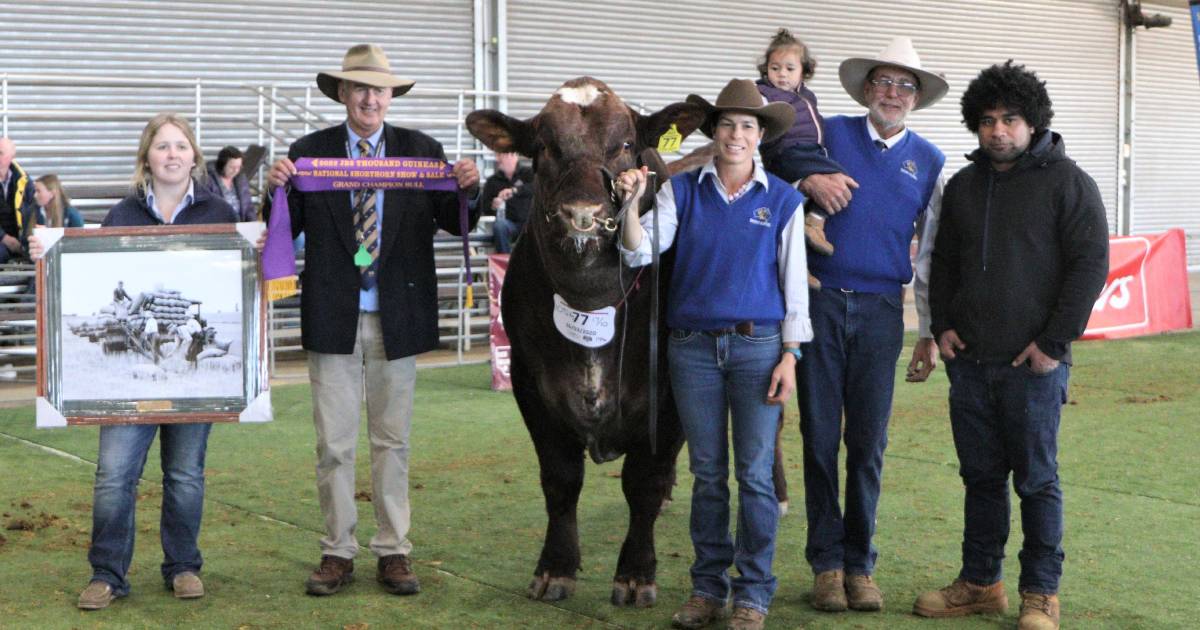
(561,460)
(646,480)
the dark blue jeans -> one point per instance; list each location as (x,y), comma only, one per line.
(1005,419)
(849,368)
(122,457)
(714,378)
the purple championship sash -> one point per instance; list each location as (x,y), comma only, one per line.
(349,174)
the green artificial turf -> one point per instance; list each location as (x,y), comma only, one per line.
(1128,461)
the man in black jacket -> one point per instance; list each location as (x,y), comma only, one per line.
(369,306)
(510,188)
(1020,257)
(18,208)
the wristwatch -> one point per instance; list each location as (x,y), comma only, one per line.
(794,352)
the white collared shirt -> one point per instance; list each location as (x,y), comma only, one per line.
(791,256)
(183,203)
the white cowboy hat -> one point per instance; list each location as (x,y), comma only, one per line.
(366,64)
(901,54)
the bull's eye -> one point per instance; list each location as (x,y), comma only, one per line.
(627,146)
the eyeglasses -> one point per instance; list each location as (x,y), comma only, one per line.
(904,87)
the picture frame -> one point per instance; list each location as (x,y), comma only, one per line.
(151,325)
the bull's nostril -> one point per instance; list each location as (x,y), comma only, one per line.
(585,222)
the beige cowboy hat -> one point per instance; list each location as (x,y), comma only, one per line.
(366,64)
(901,54)
(740,95)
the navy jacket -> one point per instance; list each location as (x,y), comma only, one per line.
(205,208)
(246,209)
(407,280)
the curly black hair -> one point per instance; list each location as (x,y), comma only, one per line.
(1011,86)
(784,39)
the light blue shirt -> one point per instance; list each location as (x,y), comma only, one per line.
(183,203)
(368,300)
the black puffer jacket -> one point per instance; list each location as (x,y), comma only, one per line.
(1021,255)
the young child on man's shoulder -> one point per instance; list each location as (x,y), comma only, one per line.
(799,152)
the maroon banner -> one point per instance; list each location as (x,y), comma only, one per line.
(1147,288)
(501,381)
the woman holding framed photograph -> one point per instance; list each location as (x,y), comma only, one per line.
(165,192)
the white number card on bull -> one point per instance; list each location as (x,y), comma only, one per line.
(590,329)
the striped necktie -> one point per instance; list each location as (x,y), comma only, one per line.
(366,227)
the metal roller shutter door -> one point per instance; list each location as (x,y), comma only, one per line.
(268,41)
(653,53)
(1166,185)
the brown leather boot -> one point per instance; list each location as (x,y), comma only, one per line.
(396,576)
(746,619)
(829,591)
(962,598)
(814,232)
(863,594)
(1038,612)
(697,612)
(331,576)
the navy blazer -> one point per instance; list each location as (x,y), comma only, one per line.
(407,281)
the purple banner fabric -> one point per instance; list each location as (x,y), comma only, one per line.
(325,174)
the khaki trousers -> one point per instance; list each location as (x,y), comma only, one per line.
(338,385)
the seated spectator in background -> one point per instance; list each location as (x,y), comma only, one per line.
(508,194)
(18,208)
(54,204)
(226,181)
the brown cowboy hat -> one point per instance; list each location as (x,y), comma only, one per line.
(366,64)
(898,53)
(740,95)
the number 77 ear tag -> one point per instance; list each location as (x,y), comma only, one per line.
(670,140)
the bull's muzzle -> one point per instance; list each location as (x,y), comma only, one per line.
(582,218)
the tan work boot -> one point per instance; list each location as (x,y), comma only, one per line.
(97,595)
(697,612)
(746,619)
(1038,612)
(814,233)
(863,594)
(331,576)
(187,585)
(829,591)
(962,598)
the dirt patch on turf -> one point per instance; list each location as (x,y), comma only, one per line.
(33,523)
(1146,400)
(362,495)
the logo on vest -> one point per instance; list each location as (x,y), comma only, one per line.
(590,329)
(910,168)
(762,217)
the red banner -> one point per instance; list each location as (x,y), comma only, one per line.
(497,266)
(1147,288)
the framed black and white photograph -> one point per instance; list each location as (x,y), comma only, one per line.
(151,325)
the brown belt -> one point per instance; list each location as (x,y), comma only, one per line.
(742,328)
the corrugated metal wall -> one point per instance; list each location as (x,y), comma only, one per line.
(268,41)
(655,52)
(1166,156)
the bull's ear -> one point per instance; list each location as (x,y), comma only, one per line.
(686,117)
(503,133)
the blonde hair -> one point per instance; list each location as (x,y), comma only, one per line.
(141,170)
(59,201)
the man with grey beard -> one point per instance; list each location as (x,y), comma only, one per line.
(848,369)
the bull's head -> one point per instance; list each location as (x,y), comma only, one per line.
(583,137)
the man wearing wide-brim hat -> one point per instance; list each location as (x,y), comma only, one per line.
(369,306)
(891,188)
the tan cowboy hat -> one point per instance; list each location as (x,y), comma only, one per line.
(900,53)
(366,64)
(740,95)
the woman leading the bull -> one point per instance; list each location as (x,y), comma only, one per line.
(737,313)
(165,192)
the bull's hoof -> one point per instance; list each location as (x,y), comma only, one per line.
(626,592)
(662,507)
(783,508)
(551,589)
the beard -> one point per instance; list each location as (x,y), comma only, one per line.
(1004,154)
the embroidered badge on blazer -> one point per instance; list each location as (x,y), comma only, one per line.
(761,216)
(909,167)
